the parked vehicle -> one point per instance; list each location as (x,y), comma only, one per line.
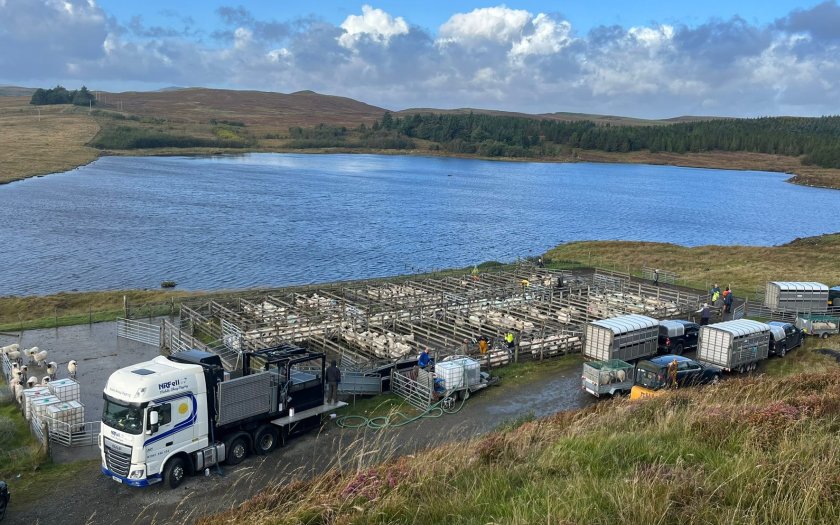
(626,337)
(796,296)
(783,337)
(4,499)
(677,336)
(654,375)
(171,416)
(735,346)
(818,325)
(611,377)
(458,376)
(834,296)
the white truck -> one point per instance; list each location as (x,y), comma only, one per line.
(172,416)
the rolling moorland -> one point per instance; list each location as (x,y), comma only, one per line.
(205,121)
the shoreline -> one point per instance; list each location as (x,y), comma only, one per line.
(729,161)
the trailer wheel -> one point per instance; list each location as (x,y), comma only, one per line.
(448,403)
(678,349)
(782,351)
(174,472)
(266,439)
(464,394)
(715,379)
(824,335)
(237,451)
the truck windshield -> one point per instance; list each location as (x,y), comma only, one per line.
(123,417)
(653,379)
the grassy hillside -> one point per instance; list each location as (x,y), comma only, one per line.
(745,268)
(749,451)
(33,144)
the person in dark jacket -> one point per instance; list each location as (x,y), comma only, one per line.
(333,379)
(727,300)
(705,312)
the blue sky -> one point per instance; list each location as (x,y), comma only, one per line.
(653,59)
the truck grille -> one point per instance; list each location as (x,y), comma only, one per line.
(116,461)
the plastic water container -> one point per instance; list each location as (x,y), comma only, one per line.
(291,412)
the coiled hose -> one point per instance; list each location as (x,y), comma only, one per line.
(397,419)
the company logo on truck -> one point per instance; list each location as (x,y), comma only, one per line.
(173,386)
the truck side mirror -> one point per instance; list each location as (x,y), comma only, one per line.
(154,419)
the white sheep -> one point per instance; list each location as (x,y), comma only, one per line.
(32,382)
(24,373)
(14,347)
(16,373)
(17,387)
(71,368)
(45,380)
(30,353)
(41,358)
(14,357)
(52,368)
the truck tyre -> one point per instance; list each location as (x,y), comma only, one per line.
(174,472)
(266,439)
(237,451)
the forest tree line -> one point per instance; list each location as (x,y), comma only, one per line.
(815,139)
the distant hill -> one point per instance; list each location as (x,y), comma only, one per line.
(257,109)
(16,91)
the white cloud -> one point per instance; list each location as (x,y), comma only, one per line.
(375,24)
(549,37)
(498,24)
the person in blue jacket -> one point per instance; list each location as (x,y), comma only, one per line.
(425,359)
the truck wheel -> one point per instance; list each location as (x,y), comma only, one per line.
(266,439)
(174,472)
(237,451)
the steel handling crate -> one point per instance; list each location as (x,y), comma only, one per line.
(626,337)
(65,389)
(458,373)
(796,296)
(39,405)
(734,345)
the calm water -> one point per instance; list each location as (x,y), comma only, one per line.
(271,219)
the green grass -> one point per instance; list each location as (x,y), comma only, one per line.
(19,451)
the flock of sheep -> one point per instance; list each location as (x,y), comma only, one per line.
(36,358)
(386,345)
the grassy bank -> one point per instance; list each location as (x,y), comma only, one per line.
(750,450)
(746,268)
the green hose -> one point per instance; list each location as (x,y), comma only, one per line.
(396,419)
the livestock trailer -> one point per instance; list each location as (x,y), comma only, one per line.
(626,337)
(796,296)
(607,377)
(818,325)
(734,345)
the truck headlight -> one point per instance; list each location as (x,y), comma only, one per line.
(137,473)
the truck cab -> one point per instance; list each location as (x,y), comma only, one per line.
(677,336)
(134,443)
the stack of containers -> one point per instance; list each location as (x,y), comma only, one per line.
(31,394)
(65,389)
(38,405)
(70,412)
(458,373)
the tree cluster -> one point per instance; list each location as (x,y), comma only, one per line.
(815,139)
(60,95)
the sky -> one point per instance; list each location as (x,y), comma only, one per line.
(647,59)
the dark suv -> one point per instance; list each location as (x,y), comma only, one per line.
(676,337)
(783,337)
(653,373)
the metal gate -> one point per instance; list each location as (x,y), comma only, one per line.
(139,331)
(417,392)
(231,336)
